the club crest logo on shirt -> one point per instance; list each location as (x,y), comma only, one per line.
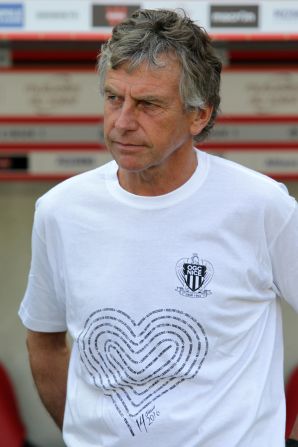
(194,274)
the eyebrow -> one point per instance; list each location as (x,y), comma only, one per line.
(150,98)
(109,89)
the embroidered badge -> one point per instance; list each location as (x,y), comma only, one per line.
(194,274)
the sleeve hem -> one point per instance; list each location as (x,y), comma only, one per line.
(40,325)
(282,229)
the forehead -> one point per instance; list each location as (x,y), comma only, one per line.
(164,78)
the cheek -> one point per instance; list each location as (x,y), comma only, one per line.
(105,130)
(109,116)
(107,124)
(159,128)
(172,131)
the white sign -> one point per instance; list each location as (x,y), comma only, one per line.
(65,162)
(254,133)
(278,163)
(71,133)
(260,92)
(219,17)
(49,93)
(76,93)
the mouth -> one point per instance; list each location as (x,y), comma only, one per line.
(127,146)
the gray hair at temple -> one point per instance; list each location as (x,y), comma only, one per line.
(147,35)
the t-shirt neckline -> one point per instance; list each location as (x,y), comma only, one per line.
(164,200)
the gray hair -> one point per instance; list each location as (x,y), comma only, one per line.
(147,35)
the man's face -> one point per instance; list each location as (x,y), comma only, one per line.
(146,125)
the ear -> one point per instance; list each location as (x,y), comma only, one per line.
(200,119)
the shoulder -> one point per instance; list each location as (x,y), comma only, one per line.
(257,193)
(245,181)
(76,190)
(73,199)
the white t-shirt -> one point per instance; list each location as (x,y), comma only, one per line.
(172,303)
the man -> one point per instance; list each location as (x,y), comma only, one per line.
(165,265)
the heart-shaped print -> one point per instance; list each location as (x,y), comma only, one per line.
(135,363)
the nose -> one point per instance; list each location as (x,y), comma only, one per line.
(127,117)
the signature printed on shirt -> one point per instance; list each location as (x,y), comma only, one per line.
(147,418)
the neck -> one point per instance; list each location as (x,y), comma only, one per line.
(158,180)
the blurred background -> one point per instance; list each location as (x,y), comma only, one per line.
(51,128)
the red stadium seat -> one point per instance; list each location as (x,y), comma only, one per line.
(12,430)
(291,401)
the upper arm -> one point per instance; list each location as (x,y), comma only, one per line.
(45,341)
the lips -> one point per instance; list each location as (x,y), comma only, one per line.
(120,143)
(127,147)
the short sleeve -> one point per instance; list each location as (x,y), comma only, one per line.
(284,258)
(42,308)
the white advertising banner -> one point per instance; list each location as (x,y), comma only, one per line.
(44,115)
(56,16)
(78,134)
(220,18)
(254,133)
(65,162)
(90,135)
(260,92)
(44,164)
(279,163)
(49,93)
(269,92)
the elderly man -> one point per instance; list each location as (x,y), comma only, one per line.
(166,266)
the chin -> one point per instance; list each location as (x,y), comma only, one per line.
(133,168)
(129,163)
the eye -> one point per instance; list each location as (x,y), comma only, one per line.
(113,99)
(148,105)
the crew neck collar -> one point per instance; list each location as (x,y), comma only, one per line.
(161,201)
